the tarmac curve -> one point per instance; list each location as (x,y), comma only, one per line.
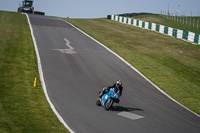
(75,67)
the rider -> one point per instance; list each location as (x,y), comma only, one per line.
(116,86)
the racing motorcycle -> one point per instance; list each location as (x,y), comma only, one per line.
(108,99)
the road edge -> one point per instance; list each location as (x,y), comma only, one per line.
(42,78)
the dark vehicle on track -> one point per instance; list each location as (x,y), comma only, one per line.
(27,6)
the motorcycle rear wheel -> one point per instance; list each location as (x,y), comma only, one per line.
(98,102)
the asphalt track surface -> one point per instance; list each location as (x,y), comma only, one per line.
(76,67)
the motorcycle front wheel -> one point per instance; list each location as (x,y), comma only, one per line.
(108,104)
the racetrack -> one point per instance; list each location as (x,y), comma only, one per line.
(75,68)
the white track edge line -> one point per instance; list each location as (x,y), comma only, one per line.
(135,70)
(42,79)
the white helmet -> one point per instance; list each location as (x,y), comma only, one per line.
(119,83)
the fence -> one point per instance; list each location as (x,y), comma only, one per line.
(188,19)
(181,34)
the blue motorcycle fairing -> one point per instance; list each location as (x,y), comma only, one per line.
(111,94)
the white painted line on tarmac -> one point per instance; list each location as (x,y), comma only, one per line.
(130,115)
(42,78)
(67,43)
(67,51)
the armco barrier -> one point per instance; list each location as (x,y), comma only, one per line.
(181,34)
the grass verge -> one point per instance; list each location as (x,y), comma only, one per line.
(23,108)
(172,64)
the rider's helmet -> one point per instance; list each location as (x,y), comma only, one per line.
(119,83)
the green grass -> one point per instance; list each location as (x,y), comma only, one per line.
(170,23)
(23,108)
(172,64)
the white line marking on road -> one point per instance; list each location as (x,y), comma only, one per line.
(67,43)
(42,78)
(67,51)
(130,115)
